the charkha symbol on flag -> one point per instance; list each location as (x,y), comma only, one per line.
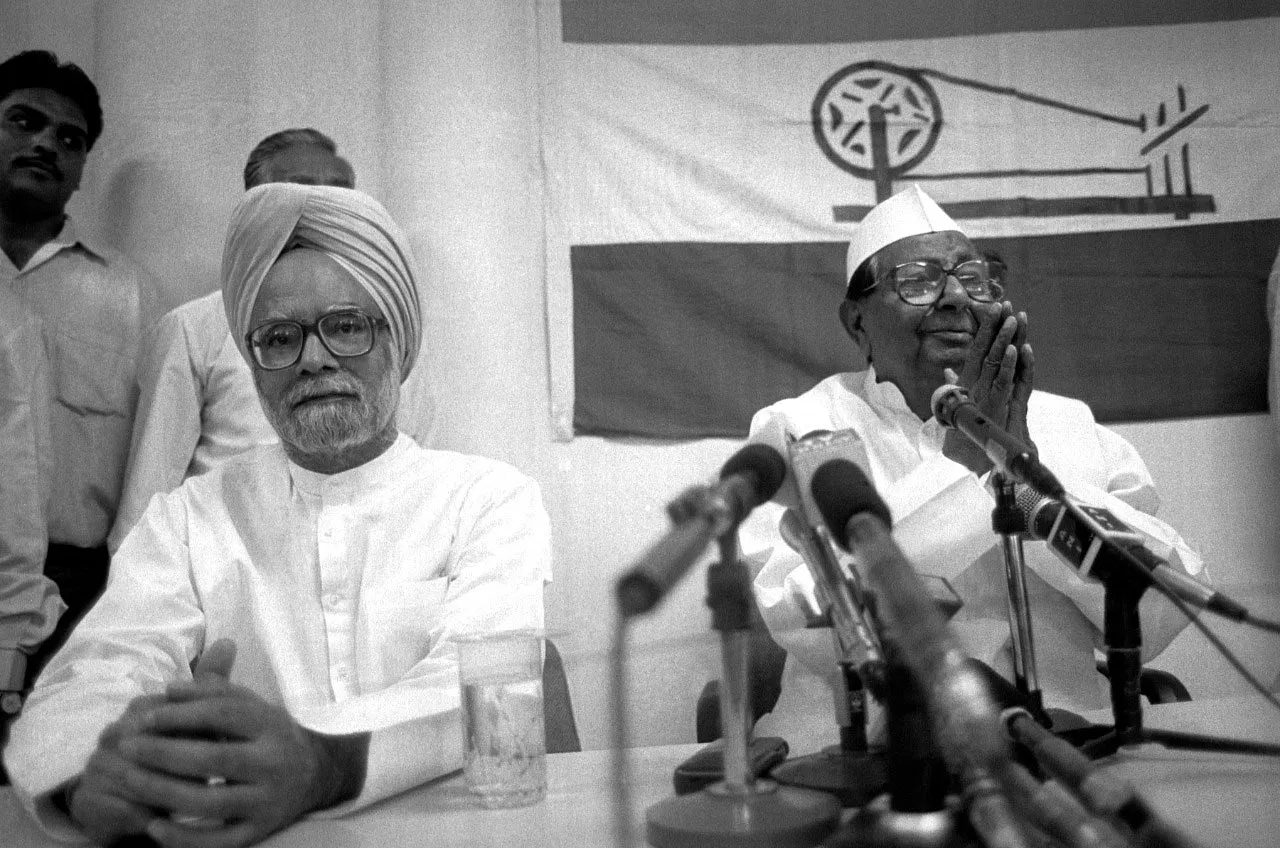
(705,162)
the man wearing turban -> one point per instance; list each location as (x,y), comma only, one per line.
(922,301)
(277,637)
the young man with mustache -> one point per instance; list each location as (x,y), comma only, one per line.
(94,306)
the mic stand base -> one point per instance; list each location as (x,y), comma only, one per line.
(877,825)
(855,777)
(764,814)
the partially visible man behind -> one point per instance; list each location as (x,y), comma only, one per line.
(923,300)
(197,406)
(93,305)
(334,568)
(29,602)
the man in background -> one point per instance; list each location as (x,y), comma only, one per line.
(29,602)
(924,306)
(287,621)
(93,304)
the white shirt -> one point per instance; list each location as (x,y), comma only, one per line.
(29,602)
(94,306)
(1273,321)
(198,407)
(942,522)
(343,594)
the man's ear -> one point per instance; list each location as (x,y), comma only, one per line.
(851,319)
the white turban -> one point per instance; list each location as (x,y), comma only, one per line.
(344,224)
(910,212)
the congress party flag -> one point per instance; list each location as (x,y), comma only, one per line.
(706,161)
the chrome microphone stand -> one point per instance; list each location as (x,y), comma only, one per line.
(739,810)
(1009,524)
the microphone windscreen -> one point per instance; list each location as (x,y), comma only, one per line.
(944,402)
(1038,512)
(764,463)
(841,491)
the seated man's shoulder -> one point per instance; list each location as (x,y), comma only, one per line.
(825,406)
(199,311)
(1048,409)
(457,469)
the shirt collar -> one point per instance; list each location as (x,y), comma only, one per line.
(376,471)
(883,393)
(68,238)
(887,396)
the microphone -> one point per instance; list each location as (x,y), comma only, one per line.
(1101,793)
(1089,539)
(750,477)
(843,595)
(965,720)
(955,410)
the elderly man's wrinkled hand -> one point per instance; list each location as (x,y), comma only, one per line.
(99,801)
(999,374)
(232,767)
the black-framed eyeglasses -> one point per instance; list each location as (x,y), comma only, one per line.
(344,333)
(922,283)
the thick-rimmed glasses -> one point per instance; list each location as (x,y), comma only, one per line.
(344,333)
(922,283)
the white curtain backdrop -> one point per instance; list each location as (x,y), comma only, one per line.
(436,104)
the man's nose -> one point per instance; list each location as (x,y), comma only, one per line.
(47,139)
(315,356)
(953,294)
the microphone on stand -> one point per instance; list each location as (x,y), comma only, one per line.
(964,716)
(1090,539)
(926,660)
(955,410)
(1009,524)
(738,810)
(750,477)
(850,770)
(843,596)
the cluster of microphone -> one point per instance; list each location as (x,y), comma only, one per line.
(886,620)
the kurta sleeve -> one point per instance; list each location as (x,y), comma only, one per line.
(141,635)
(498,567)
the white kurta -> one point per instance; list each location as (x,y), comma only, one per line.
(198,407)
(942,521)
(342,593)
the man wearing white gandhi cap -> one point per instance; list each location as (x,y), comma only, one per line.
(922,301)
(276,639)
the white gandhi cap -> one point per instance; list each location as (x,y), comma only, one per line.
(910,212)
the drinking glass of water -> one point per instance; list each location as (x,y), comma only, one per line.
(503,736)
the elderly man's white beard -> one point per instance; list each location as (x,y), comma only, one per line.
(332,428)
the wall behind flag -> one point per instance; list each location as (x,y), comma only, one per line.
(438,107)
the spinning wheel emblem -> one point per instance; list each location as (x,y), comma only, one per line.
(876,119)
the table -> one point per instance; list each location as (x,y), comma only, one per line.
(577,812)
(1220,800)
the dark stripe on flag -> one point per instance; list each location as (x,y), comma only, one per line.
(740,22)
(687,340)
